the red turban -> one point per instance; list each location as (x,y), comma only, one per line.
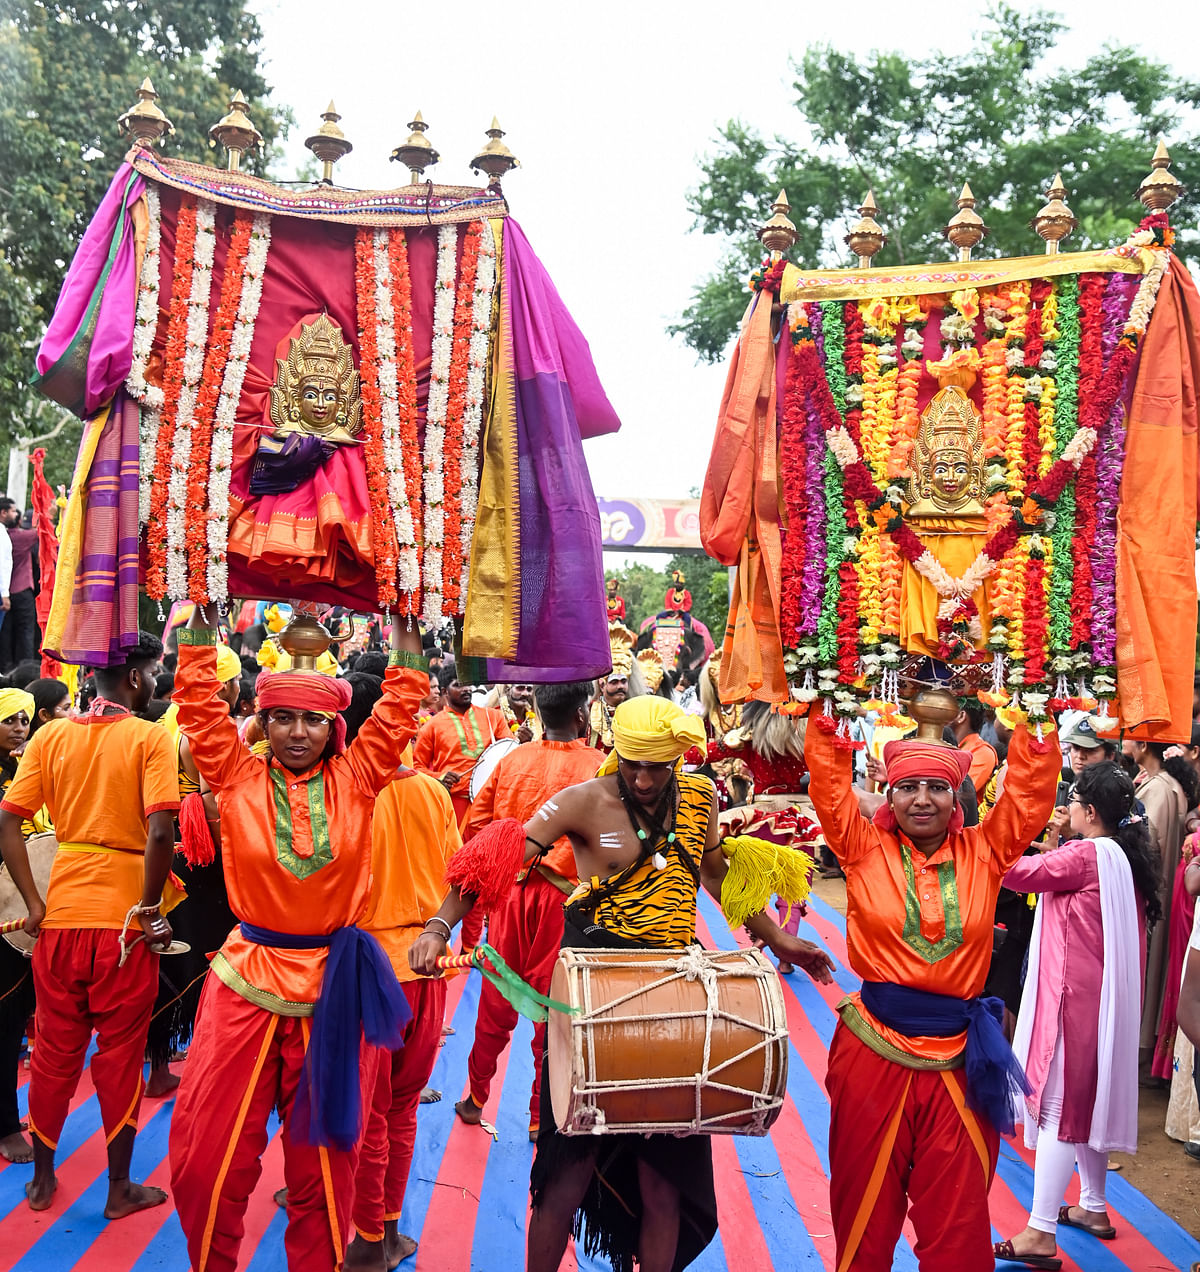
(908,759)
(306,691)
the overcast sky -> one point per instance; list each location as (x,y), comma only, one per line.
(610,108)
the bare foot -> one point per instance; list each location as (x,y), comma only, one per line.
(367,1255)
(469,1111)
(40,1190)
(447,1030)
(281,1198)
(126,1198)
(16,1148)
(162,1083)
(429,1095)
(398,1249)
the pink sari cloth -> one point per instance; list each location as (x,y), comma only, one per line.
(1179,932)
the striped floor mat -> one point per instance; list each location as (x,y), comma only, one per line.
(468,1192)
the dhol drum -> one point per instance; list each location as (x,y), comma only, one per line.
(42,849)
(677,1042)
(489,757)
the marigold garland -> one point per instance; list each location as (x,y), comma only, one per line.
(408,514)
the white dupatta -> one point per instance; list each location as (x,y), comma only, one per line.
(1114,1115)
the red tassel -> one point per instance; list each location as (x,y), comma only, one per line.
(487,867)
(197,844)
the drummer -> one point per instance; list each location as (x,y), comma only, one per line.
(17,711)
(645,836)
(108,780)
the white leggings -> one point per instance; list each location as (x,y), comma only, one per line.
(1056,1160)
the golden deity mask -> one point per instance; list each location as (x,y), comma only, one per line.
(316,389)
(948,468)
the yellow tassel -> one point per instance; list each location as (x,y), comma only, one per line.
(759,870)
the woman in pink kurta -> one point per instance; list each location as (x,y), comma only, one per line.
(1077,1031)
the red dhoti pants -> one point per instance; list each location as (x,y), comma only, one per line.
(81,988)
(526,931)
(243,1062)
(895,1131)
(391,1118)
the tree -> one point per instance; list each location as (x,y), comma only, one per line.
(915,130)
(67,71)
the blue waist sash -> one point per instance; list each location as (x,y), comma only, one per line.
(360,998)
(994,1076)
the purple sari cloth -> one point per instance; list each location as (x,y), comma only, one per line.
(103,619)
(87,350)
(564,620)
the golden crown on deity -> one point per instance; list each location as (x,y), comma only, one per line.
(319,358)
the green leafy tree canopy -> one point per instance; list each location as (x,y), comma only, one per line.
(67,71)
(915,129)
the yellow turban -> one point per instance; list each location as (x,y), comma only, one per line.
(651,730)
(14,700)
(229,665)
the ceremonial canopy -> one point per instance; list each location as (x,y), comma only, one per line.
(373,399)
(989,465)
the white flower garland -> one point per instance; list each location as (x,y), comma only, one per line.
(220,464)
(149,396)
(477,360)
(435,423)
(193,368)
(387,335)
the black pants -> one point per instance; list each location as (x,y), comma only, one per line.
(19,632)
(16,1006)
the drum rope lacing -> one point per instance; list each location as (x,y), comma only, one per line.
(692,965)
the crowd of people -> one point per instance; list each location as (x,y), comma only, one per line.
(263,885)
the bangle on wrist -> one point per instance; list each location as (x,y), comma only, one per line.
(436,919)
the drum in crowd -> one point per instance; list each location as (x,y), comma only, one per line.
(42,848)
(682,1042)
(489,757)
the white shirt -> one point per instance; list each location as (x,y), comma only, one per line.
(5,563)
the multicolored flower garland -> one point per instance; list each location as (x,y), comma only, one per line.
(1048,416)
(435,426)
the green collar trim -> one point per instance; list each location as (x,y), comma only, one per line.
(930,951)
(285,852)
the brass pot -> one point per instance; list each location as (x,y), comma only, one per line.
(932,709)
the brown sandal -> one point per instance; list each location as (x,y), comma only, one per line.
(1004,1251)
(1105,1234)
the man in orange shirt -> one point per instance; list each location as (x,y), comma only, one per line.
(920,899)
(527,930)
(108,780)
(983,755)
(414,835)
(448,745)
(283,1013)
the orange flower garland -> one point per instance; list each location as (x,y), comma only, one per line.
(456,399)
(219,341)
(181,290)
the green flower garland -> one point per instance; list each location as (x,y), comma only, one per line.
(1065,423)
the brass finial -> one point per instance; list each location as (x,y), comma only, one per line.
(1161,188)
(235,131)
(966,228)
(144,120)
(1055,221)
(778,234)
(495,159)
(329,143)
(866,236)
(417,153)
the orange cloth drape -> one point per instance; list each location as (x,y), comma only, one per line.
(1156,579)
(741,516)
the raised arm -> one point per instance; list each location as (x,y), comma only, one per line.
(831,789)
(375,753)
(1024,807)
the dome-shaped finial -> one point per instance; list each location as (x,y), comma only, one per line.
(144,121)
(1161,188)
(778,234)
(866,236)
(329,143)
(1055,220)
(417,152)
(966,229)
(495,159)
(235,132)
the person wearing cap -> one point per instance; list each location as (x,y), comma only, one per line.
(203,920)
(108,781)
(1084,746)
(297,985)
(645,837)
(906,1128)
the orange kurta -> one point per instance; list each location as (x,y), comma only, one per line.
(296,847)
(100,778)
(524,780)
(451,743)
(927,922)
(983,761)
(415,834)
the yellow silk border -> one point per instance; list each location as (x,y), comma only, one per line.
(491,623)
(70,548)
(925,280)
